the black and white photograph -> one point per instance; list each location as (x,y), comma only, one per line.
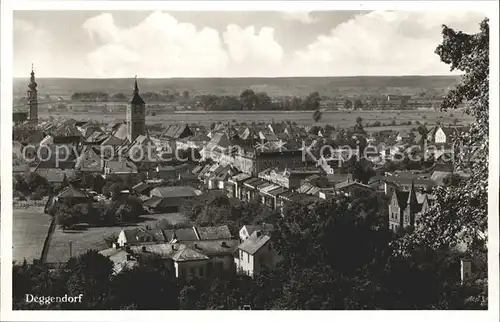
(211,158)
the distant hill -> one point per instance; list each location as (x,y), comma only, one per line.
(287,86)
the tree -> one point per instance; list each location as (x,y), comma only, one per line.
(317,115)
(248,99)
(90,276)
(348,104)
(66,217)
(460,212)
(313,101)
(358,104)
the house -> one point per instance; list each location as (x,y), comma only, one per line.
(89,161)
(120,168)
(72,196)
(169,199)
(120,257)
(444,134)
(234,185)
(144,188)
(248,230)
(404,208)
(255,253)
(353,188)
(54,175)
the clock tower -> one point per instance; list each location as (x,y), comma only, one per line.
(32,99)
(136,116)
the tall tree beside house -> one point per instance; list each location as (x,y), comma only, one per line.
(460,213)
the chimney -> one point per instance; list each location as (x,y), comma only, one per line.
(465,270)
(259,233)
(116,246)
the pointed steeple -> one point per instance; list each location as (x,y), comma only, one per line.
(136,98)
(136,87)
(412,198)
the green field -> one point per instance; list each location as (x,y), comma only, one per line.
(336,118)
(29,229)
(356,86)
(92,238)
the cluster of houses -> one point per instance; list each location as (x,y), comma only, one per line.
(263,162)
(197,251)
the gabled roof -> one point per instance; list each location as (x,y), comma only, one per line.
(177,131)
(344,185)
(119,257)
(55,175)
(186,253)
(213,233)
(402,198)
(254,242)
(265,228)
(113,141)
(89,161)
(185,234)
(175,191)
(71,192)
(121,166)
(213,247)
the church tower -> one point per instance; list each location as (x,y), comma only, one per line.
(136,115)
(32,99)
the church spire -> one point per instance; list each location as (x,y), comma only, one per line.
(412,198)
(136,88)
(32,85)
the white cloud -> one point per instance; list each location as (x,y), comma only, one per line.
(161,46)
(244,44)
(383,43)
(302,16)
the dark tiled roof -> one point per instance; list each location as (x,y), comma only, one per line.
(255,242)
(185,234)
(186,253)
(175,191)
(214,247)
(212,233)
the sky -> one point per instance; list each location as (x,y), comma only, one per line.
(160,44)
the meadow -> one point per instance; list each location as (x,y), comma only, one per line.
(335,118)
(29,230)
(355,86)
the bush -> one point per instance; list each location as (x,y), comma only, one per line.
(376,124)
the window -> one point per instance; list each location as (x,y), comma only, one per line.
(191,271)
(201,271)
(248,258)
(241,255)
